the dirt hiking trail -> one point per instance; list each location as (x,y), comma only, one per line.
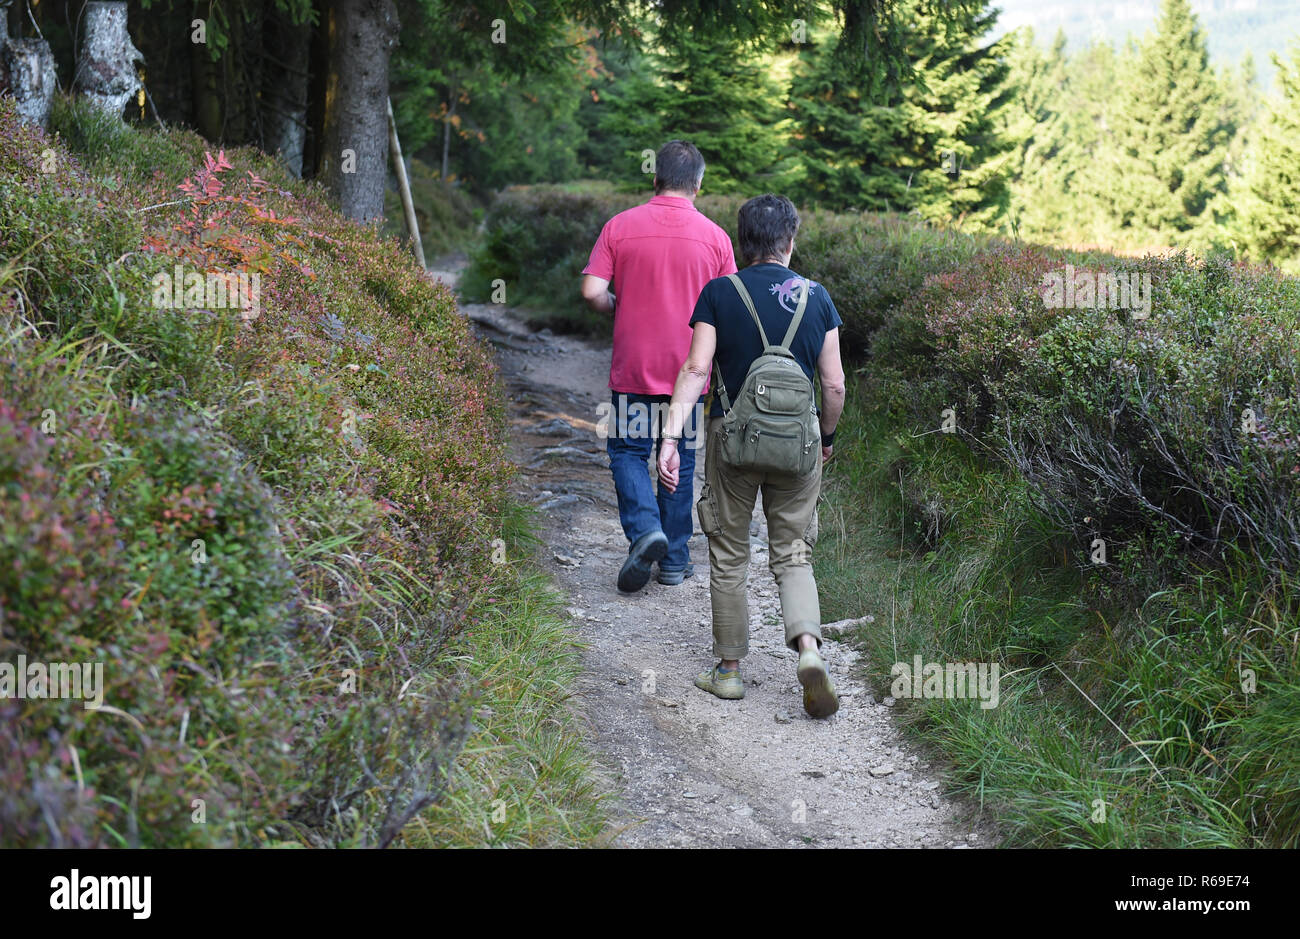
(689,769)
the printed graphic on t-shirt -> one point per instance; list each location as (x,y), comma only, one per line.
(789,292)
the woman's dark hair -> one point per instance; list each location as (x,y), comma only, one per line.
(679,166)
(766,224)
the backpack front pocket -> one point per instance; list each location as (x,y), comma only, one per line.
(781,398)
(773,445)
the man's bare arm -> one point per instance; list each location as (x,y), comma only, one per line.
(595,290)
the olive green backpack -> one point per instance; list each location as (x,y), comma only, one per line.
(773,426)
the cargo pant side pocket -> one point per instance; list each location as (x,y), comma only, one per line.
(707,510)
(810,533)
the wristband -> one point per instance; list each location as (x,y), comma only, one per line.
(828,440)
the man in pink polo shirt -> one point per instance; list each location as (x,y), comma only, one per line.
(648,268)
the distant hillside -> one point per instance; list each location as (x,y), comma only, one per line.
(1234,27)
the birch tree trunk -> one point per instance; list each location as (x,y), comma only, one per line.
(27,73)
(106,65)
(29,70)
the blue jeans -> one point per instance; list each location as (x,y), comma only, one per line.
(634,428)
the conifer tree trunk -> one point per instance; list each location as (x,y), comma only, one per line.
(284,88)
(205,88)
(354,161)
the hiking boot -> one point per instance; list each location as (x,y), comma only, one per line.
(723,684)
(819,698)
(645,551)
(673,578)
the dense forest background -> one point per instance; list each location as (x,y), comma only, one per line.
(1133,146)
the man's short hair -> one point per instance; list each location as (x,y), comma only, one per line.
(679,166)
(765,226)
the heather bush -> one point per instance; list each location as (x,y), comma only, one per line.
(1185,422)
(269,528)
(1133,423)
(873,263)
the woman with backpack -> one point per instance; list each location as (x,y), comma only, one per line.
(766,331)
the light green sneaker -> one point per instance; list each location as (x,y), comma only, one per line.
(723,684)
(819,698)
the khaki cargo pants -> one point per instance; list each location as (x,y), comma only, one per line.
(725,507)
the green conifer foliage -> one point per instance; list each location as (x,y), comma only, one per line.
(1171,130)
(715,93)
(1268,199)
(936,146)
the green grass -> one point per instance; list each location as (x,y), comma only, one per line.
(113,152)
(526,777)
(1134,702)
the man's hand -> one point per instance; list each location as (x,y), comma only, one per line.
(826,453)
(670,462)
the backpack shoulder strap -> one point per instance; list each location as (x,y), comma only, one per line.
(798,315)
(749,305)
(720,387)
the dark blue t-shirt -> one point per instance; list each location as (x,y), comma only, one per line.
(775,291)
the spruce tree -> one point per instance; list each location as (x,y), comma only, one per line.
(1039,122)
(1268,197)
(852,152)
(616,67)
(717,94)
(935,145)
(1171,133)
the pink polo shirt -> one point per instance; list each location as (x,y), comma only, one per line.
(657,256)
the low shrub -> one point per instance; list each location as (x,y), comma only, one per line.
(536,241)
(871,264)
(1181,423)
(269,527)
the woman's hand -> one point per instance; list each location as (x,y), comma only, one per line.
(670,462)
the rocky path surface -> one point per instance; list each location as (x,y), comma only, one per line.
(691,769)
